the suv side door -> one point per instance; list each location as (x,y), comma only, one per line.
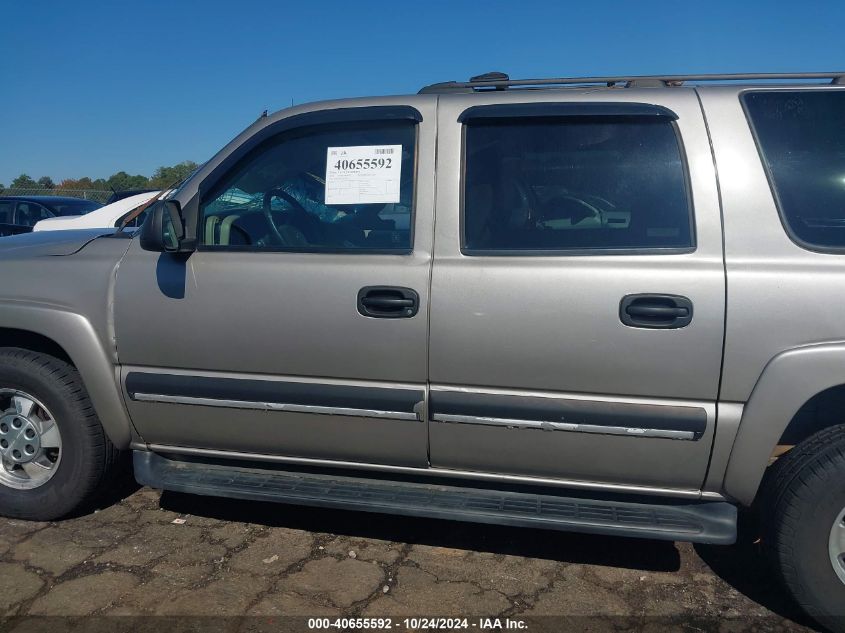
(578,287)
(299,326)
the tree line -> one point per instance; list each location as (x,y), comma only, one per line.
(162,178)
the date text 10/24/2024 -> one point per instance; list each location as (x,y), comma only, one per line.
(422,623)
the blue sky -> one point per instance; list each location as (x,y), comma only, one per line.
(92,88)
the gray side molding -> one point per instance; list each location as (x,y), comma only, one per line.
(75,334)
(787,382)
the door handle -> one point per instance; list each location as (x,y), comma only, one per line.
(655,311)
(388,302)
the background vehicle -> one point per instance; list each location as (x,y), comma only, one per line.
(120,195)
(629,305)
(18,214)
(108,216)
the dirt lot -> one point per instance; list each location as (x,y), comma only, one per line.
(229,558)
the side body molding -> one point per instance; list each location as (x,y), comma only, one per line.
(75,334)
(787,382)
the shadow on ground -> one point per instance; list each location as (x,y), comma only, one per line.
(532,543)
(742,565)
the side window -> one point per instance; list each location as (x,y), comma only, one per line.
(341,187)
(801,137)
(6,211)
(29,213)
(574,183)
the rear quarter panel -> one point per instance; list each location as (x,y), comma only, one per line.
(780,297)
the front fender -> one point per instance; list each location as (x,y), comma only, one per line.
(788,381)
(75,334)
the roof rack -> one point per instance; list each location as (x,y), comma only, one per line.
(500,81)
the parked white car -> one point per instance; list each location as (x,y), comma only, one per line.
(105,217)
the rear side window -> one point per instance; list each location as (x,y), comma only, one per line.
(30,213)
(574,183)
(801,138)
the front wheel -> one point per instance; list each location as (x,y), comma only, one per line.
(54,454)
(804,524)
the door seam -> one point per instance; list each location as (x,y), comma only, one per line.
(427,416)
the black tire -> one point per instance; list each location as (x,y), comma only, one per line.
(804,494)
(87,454)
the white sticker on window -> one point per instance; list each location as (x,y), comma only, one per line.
(363,174)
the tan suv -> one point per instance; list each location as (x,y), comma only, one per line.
(600,304)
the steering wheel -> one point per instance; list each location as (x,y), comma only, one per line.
(293,202)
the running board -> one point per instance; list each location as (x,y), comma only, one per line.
(697,522)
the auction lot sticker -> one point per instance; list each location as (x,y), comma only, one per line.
(363,174)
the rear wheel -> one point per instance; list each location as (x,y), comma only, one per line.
(804,524)
(54,455)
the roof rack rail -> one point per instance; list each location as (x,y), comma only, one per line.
(501,81)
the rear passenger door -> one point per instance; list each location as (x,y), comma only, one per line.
(578,294)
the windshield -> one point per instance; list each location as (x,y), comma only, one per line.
(73,207)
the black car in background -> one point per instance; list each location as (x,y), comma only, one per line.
(18,214)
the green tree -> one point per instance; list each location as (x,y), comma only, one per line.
(2,187)
(46,182)
(121,181)
(77,184)
(67,183)
(24,182)
(169,176)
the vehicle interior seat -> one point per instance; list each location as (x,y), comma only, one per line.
(478,229)
(211,235)
(514,208)
(26,215)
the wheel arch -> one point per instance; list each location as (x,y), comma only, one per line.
(25,339)
(58,332)
(788,382)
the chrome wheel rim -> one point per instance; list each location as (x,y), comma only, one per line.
(836,546)
(30,442)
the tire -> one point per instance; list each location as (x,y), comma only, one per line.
(803,499)
(86,456)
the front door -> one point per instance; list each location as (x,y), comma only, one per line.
(578,292)
(299,326)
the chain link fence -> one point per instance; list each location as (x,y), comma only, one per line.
(86,194)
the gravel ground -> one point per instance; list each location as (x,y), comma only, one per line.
(154,554)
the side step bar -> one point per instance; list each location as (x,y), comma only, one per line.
(697,522)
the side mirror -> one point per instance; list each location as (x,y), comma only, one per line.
(162,231)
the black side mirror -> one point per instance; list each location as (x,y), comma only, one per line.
(162,231)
